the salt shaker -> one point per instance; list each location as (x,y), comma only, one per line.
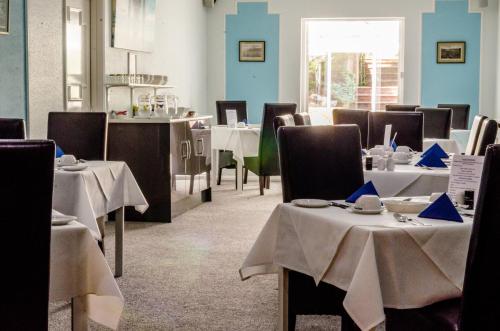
(381,164)
(390,163)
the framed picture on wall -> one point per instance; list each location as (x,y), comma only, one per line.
(4,16)
(252,51)
(451,52)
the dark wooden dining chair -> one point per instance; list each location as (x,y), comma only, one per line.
(266,164)
(302,119)
(12,128)
(82,134)
(408,125)
(460,117)
(226,160)
(479,307)
(284,120)
(477,124)
(437,122)
(394,107)
(487,136)
(27,175)
(353,116)
(320,162)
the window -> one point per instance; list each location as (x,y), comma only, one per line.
(353,64)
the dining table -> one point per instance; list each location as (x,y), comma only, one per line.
(379,261)
(79,272)
(93,192)
(243,142)
(409,180)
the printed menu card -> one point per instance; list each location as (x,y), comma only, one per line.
(466,171)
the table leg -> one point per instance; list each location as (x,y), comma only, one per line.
(239,175)
(119,231)
(79,318)
(215,166)
(101,224)
(283,299)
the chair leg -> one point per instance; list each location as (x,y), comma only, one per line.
(208,179)
(191,185)
(245,180)
(262,184)
(268,182)
(292,320)
(236,178)
(101,224)
(219,177)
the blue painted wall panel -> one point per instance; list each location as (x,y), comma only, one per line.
(451,83)
(256,82)
(13,96)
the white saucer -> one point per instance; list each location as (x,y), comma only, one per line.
(77,167)
(402,162)
(62,220)
(310,203)
(367,212)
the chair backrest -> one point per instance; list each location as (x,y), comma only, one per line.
(480,304)
(408,125)
(460,117)
(401,107)
(487,136)
(284,120)
(239,106)
(268,148)
(437,122)
(477,124)
(12,128)
(322,162)
(302,119)
(353,116)
(81,134)
(26,174)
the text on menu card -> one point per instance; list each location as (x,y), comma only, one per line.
(465,175)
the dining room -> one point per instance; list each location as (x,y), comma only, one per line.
(250,164)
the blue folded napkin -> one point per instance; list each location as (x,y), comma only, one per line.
(431,160)
(394,145)
(437,150)
(59,151)
(442,209)
(367,189)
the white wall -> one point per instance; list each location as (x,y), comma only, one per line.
(180,53)
(292,11)
(45,61)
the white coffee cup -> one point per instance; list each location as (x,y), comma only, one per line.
(404,149)
(67,160)
(377,151)
(368,203)
(401,156)
(241,125)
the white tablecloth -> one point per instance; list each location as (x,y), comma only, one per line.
(408,180)
(449,145)
(378,261)
(78,268)
(102,188)
(242,142)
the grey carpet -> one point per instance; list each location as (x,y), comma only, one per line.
(184,275)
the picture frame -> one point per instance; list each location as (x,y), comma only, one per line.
(4,17)
(450,52)
(252,51)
